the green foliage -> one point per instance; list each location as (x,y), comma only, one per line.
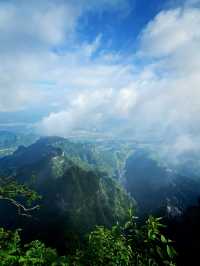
(67,172)
(107,157)
(130,245)
(149,245)
(12,253)
(91,199)
(108,247)
(10,188)
(33,254)
(121,246)
(9,247)
(158,245)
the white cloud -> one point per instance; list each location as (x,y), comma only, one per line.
(34,24)
(158,101)
(30,30)
(88,87)
(89,109)
(171,31)
(170,111)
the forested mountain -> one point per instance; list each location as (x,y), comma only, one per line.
(156,187)
(105,156)
(74,195)
(89,183)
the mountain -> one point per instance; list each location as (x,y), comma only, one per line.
(74,195)
(10,141)
(105,156)
(156,187)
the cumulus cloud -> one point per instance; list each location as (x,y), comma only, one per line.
(90,109)
(33,24)
(170,32)
(31,31)
(88,87)
(159,101)
(173,38)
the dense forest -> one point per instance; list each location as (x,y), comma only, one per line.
(102,202)
(99,132)
(130,244)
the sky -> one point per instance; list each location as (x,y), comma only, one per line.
(124,67)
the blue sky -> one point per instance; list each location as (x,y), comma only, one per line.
(123,28)
(107,65)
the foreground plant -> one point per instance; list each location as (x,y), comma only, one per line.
(127,245)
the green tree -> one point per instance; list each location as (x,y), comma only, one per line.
(108,247)
(128,245)
(13,253)
(148,243)
(18,195)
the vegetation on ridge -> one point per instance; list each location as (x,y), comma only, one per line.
(122,246)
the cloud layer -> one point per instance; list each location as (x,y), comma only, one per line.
(151,93)
(32,35)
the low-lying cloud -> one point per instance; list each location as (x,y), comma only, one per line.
(151,94)
(156,99)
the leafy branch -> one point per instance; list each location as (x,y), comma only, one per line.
(16,193)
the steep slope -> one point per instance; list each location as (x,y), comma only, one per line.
(105,156)
(156,187)
(74,196)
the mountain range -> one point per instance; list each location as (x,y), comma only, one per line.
(88,183)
